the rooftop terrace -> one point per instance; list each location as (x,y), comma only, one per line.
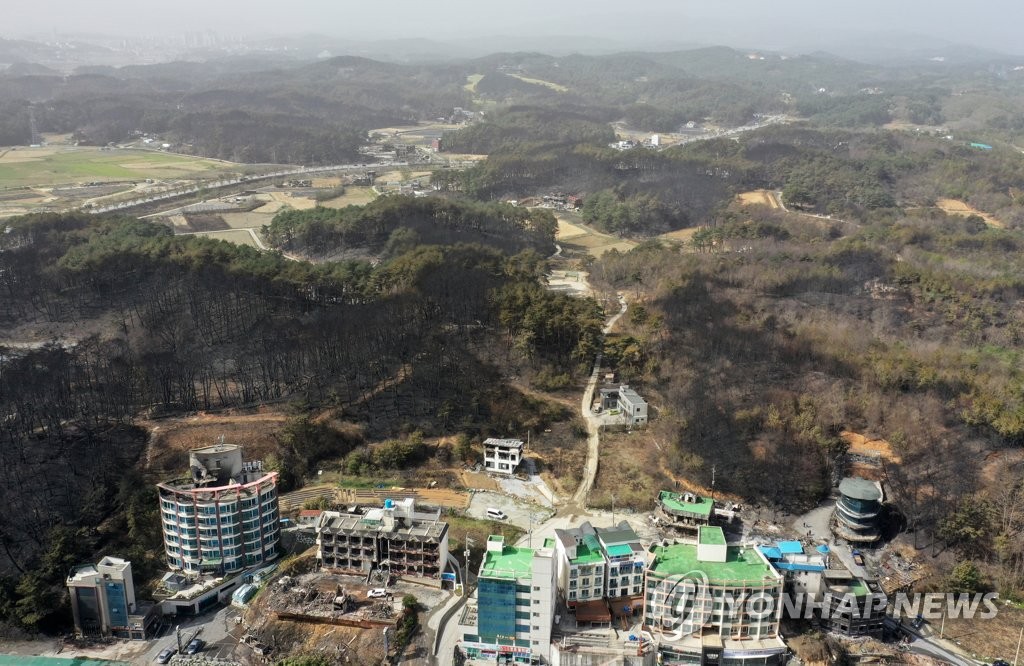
(510,563)
(741,566)
(702,506)
(713,536)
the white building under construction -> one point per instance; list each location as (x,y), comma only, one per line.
(395,537)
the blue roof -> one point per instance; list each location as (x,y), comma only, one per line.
(798,566)
(771,552)
(790,547)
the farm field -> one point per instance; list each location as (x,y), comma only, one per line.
(471,82)
(573,236)
(236,236)
(680,235)
(53,165)
(354,196)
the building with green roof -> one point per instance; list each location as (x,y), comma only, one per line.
(684,511)
(597,564)
(515,602)
(712,589)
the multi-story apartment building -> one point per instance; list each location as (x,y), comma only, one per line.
(103,601)
(515,603)
(626,560)
(710,601)
(502,456)
(396,537)
(223,517)
(595,563)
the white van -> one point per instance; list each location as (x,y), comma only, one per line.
(495,514)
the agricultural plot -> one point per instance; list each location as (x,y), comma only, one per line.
(236,236)
(758,198)
(54,165)
(354,196)
(557,87)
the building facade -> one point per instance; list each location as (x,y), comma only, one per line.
(594,563)
(223,517)
(515,603)
(857,511)
(851,605)
(103,601)
(396,537)
(710,600)
(502,456)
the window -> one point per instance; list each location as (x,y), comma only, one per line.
(536,614)
(536,588)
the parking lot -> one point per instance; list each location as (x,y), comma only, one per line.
(519,513)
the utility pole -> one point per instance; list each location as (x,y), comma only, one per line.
(942,626)
(465,568)
(613,509)
(712,483)
(1017,653)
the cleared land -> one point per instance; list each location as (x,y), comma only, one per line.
(759,198)
(541,82)
(573,236)
(956,207)
(236,236)
(680,235)
(354,196)
(471,82)
(53,165)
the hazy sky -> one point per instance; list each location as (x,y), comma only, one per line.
(994,24)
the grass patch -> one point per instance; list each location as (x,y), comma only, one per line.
(459,527)
(47,167)
(557,87)
(471,82)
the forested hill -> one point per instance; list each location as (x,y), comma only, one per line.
(394,224)
(185,324)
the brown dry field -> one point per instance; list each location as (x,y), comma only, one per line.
(758,198)
(171,439)
(479,481)
(251,220)
(955,207)
(354,196)
(683,235)
(574,236)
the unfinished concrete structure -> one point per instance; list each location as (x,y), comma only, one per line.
(223,517)
(396,537)
(502,456)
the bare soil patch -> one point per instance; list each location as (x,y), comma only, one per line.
(758,198)
(962,208)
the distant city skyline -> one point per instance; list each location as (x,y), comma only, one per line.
(797,25)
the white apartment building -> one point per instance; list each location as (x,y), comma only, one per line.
(223,517)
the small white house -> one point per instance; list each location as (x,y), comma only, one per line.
(502,456)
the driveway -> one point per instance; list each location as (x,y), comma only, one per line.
(519,513)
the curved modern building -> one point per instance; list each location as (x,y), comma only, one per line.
(857,509)
(224,517)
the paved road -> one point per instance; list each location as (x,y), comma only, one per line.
(593,425)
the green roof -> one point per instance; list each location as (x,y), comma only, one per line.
(588,551)
(675,502)
(742,565)
(713,536)
(509,563)
(549,543)
(618,550)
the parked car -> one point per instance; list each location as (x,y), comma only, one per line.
(165,655)
(497,514)
(195,646)
(858,558)
(1000,662)
(377,593)
(918,622)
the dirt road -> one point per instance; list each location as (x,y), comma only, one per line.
(593,436)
